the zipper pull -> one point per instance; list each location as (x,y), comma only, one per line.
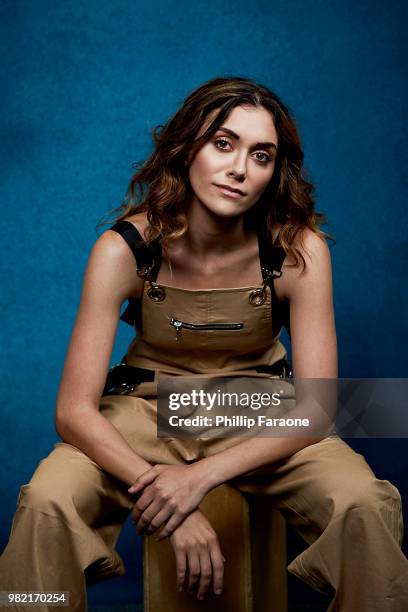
(177,325)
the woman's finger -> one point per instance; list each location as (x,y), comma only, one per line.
(136,487)
(148,515)
(160,518)
(193,569)
(143,480)
(173,522)
(146,498)
(181,566)
(205,573)
(217,561)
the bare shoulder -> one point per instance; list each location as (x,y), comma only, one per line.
(113,244)
(112,249)
(313,247)
(316,253)
(112,259)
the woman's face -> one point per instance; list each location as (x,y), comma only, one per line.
(240,155)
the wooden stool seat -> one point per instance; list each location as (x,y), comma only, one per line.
(252,536)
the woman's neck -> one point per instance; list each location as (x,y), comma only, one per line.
(211,234)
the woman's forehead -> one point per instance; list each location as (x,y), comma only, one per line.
(255,123)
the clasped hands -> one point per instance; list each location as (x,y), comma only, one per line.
(166,493)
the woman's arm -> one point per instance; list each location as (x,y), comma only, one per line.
(109,280)
(314,355)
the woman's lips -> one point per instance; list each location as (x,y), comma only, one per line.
(230,194)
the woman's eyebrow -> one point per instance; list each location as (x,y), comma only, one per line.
(258,144)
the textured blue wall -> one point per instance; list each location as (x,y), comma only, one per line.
(84,82)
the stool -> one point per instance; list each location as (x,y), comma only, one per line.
(252,537)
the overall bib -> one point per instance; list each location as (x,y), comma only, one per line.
(69,515)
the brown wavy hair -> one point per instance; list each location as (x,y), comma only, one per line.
(161,188)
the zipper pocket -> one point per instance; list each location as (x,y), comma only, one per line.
(178,325)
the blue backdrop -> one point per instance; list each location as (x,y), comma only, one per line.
(84,83)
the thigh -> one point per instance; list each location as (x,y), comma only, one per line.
(69,484)
(136,419)
(68,481)
(317,483)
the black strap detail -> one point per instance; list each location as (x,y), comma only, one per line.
(124,378)
(272,256)
(144,253)
(147,257)
(281,368)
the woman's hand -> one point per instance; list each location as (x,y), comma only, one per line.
(169,491)
(196,544)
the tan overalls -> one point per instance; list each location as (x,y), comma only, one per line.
(70,514)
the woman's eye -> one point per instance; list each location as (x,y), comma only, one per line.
(266,158)
(222,144)
(219,142)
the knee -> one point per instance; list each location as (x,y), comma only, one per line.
(43,497)
(372,505)
(372,494)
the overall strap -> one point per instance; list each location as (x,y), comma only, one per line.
(148,256)
(148,260)
(272,256)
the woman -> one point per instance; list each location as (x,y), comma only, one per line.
(222,190)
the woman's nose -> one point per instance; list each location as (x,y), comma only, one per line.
(238,167)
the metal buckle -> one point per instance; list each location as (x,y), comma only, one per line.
(117,388)
(271,273)
(146,270)
(287,370)
(156,293)
(125,388)
(257,297)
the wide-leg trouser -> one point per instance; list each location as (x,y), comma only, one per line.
(69,516)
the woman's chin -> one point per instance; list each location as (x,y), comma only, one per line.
(226,211)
